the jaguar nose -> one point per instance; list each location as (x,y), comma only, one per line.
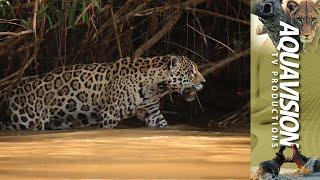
(202,79)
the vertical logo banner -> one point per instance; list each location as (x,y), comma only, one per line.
(285,89)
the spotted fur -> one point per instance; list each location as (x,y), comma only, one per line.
(101,94)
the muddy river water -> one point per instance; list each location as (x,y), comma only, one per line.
(124,153)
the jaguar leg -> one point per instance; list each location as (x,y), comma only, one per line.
(156,120)
(43,121)
(153,117)
(107,120)
(58,124)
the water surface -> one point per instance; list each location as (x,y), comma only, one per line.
(124,153)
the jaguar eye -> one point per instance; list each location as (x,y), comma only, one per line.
(313,20)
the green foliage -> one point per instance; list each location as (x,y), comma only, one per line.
(6,9)
(6,12)
(50,21)
(72,15)
(4,3)
(97,4)
(57,13)
(26,23)
(84,12)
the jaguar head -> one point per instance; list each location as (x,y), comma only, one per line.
(184,77)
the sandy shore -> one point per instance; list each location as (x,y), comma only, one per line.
(124,153)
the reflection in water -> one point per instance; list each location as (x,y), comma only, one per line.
(135,153)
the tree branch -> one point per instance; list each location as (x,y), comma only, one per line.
(116,32)
(16,33)
(165,29)
(218,15)
(210,68)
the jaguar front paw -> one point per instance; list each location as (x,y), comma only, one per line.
(157,124)
(162,124)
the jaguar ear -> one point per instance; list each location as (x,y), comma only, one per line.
(292,6)
(173,62)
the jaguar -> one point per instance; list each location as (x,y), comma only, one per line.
(100,94)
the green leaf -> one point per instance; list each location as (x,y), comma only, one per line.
(85,16)
(61,18)
(49,20)
(26,23)
(97,4)
(73,10)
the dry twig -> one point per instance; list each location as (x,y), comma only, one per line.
(219,15)
(210,68)
(16,33)
(116,31)
(212,39)
(165,29)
